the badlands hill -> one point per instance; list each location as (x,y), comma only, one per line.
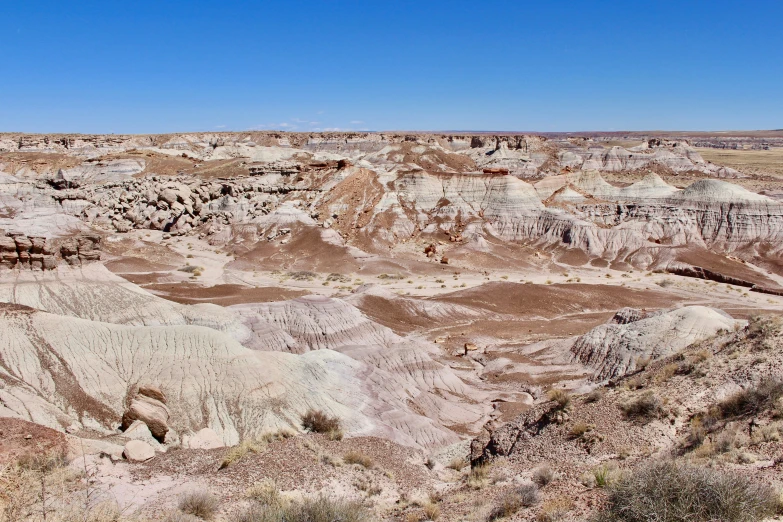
(458,311)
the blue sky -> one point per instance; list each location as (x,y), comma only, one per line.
(169,66)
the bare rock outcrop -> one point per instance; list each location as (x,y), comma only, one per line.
(149,407)
(617,348)
(40,253)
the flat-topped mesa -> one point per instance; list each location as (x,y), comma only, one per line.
(18,251)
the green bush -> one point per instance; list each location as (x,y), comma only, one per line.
(666,491)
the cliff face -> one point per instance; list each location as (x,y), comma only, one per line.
(378,190)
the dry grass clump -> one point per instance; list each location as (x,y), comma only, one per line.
(319,422)
(761,328)
(356,457)
(42,486)
(595,395)
(320,509)
(431,511)
(749,401)
(579,429)
(666,491)
(605,475)
(458,463)
(512,501)
(265,493)
(561,398)
(238,452)
(555,509)
(645,407)
(478,476)
(200,504)
(543,475)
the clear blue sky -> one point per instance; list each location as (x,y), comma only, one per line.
(168,66)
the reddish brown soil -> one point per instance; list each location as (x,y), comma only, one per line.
(223,295)
(14,441)
(553,300)
(305,251)
(725,266)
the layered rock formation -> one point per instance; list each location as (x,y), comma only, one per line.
(39,253)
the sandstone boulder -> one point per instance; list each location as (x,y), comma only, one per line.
(203,439)
(138,451)
(149,407)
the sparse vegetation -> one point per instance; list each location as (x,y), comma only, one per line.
(236,453)
(458,463)
(302,275)
(748,401)
(644,407)
(555,509)
(561,398)
(200,504)
(579,429)
(666,491)
(320,509)
(265,493)
(319,422)
(478,476)
(595,395)
(431,511)
(355,457)
(512,501)
(543,475)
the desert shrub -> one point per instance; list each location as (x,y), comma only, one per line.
(505,506)
(645,407)
(561,398)
(749,401)
(200,504)
(265,493)
(335,434)
(319,422)
(579,429)
(302,275)
(697,433)
(512,501)
(543,475)
(605,475)
(431,511)
(43,462)
(761,328)
(281,434)
(595,395)
(477,478)
(666,373)
(666,491)
(664,283)
(396,277)
(320,509)
(555,509)
(340,278)
(457,463)
(355,457)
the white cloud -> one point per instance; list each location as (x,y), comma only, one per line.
(220,126)
(356,122)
